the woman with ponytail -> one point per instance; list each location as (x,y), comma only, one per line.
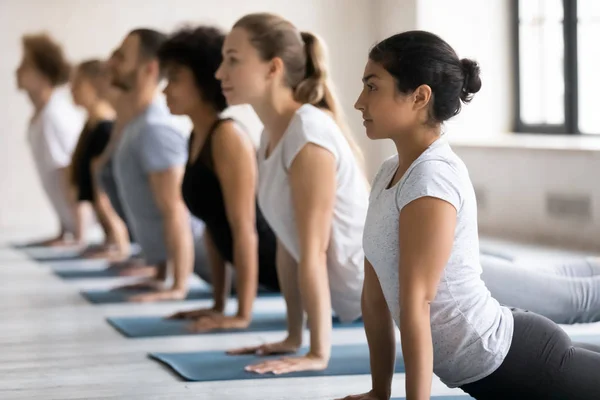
(311,188)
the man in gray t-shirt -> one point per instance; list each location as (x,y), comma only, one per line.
(149,164)
(150,145)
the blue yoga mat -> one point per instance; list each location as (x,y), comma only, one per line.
(78,264)
(88,274)
(52,253)
(122,295)
(143,327)
(218,366)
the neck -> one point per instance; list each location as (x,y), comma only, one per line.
(136,101)
(100,111)
(411,145)
(40,98)
(203,118)
(276,112)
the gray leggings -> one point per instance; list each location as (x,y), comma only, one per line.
(566,293)
(542,363)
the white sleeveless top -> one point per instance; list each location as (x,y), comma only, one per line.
(345,257)
(471,332)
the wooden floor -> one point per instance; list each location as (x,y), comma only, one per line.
(55,345)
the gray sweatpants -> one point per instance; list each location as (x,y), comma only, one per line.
(566,293)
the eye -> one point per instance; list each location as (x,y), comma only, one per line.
(370,87)
(233,60)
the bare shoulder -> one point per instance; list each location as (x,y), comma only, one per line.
(229,134)
(313,157)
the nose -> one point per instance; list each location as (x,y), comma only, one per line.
(358,105)
(219,73)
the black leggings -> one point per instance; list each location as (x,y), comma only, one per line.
(542,363)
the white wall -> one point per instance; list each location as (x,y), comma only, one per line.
(93,28)
(479,30)
(390,17)
(513,185)
(513,178)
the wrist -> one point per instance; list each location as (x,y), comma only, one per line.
(319,353)
(218,307)
(382,392)
(243,316)
(178,287)
(294,340)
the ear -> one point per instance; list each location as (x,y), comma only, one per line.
(421,97)
(153,68)
(276,68)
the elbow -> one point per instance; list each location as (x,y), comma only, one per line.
(175,211)
(244,235)
(313,261)
(414,303)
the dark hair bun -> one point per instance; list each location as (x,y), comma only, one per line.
(472,82)
(416,58)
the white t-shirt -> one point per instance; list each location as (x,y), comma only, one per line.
(471,332)
(52,137)
(345,257)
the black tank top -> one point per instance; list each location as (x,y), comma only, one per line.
(203,196)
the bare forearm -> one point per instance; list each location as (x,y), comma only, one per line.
(178,236)
(316,300)
(245,259)
(287,274)
(218,273)
(71,194)
(379,328)
(417,348)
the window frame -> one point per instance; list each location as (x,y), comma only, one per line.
(571,124)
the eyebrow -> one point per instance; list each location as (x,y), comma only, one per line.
(228,51)
(370,76)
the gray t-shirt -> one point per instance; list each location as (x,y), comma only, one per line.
(150,143)
(471,332)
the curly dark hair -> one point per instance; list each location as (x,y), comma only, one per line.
(48,57)
(199,49)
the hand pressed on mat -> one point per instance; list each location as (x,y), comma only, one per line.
(308,362)
(195,314)
(213,322)
(146,271)
(149,284)
(286,346)
(365,396)
(286,365)
(162,295)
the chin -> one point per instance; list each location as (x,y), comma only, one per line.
(176,111)
(233,100)
(372,134)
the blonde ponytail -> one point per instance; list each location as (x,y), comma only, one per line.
(317,89)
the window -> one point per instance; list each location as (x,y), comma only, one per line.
(557,60)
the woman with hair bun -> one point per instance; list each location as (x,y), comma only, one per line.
(422,262)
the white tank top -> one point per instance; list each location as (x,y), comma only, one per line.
(471,332)
(345,257)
